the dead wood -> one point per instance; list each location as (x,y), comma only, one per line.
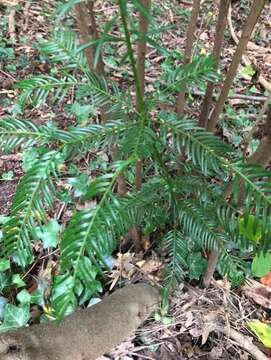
(245,342)
(86,334)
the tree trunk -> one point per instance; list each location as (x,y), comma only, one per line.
(86,22)
(141,59)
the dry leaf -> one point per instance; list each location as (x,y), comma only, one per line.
(258,292)
(149,266)
(266,280)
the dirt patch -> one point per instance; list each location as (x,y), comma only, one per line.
(9,163)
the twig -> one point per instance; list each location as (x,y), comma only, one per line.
(256,98)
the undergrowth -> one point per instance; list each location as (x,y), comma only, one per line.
(186,171)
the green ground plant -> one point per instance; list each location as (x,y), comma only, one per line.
(185,173)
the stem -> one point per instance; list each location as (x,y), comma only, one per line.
(123,14)
(84,33)
(141,58)
(138,69)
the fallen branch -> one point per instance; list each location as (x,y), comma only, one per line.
(86,334)
(245,342)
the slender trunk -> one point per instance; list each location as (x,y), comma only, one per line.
(212,262)
(141,58)
(84,34)
(88,31)
(93,29)
(248,27)
(86,22)
(219,37)
(188,51)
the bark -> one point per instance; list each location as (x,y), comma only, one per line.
(86,334)
(219,37)
(95,35)
(209,273)
(188,51)
(248,27)
(86,22)
(141,59)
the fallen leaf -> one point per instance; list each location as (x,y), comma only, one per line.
(149,266)
(259,293)
(266,280)
(262,331)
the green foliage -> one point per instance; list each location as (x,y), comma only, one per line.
(185,172)
(261,264)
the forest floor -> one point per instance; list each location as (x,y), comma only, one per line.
(192,329)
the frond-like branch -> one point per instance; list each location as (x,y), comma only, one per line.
(92,234)
(34,196)
(251,184)
(15,133)
(176,245)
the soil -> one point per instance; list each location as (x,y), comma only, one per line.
(8,187)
